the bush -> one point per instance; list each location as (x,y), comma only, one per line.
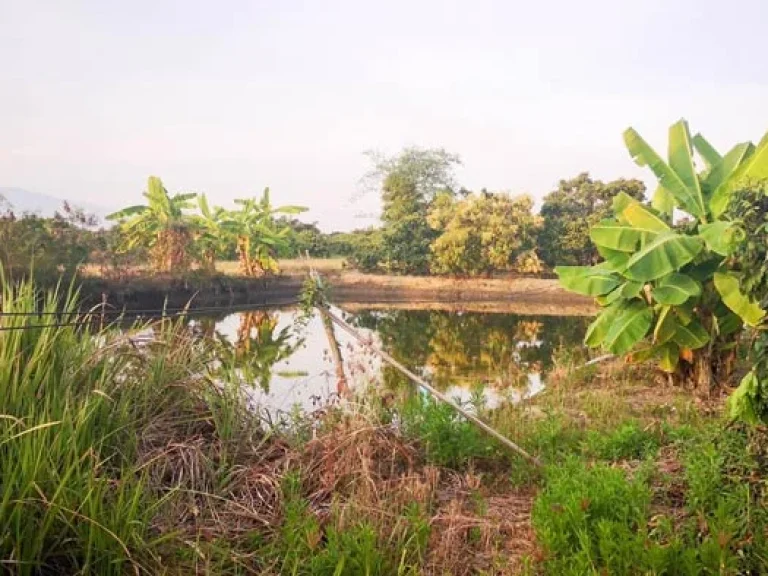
(590,518)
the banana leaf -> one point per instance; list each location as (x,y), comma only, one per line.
(692,336)
(748,310)
(615,236)
(689,199)
(587,280)
(629,327)
(665,254)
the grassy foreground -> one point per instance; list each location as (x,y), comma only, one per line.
(125,453)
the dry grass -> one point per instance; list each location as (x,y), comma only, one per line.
(290,267)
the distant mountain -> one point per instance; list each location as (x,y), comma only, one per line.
(25,201)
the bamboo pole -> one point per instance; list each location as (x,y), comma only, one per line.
(341,378)
(429,388)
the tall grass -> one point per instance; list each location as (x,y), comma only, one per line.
(80,411)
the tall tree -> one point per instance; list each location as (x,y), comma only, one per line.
(409,184)
(570,211)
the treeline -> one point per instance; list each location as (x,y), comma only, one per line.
(429,225)
(169,234)
(432,226)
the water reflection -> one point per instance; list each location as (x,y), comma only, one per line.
(469,349)
(502,357)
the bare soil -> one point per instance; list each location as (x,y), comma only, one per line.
(349,288)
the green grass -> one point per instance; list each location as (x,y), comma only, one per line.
(80,411)
(117,458)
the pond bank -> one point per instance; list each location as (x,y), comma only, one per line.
(345,287)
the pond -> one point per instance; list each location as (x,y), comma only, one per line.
(295,363)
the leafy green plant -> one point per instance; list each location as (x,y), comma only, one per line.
(668,291)
(162,226)
(749,208)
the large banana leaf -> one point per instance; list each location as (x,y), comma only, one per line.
(202,203)
(666,326)
(630,289)
(692,336)
(599,328)
(620,203)
(127,212)
(665,254)
(749,311)
(745,400)
(675,289)
(681,161)
(664,202)
(723,170)
(689,199)
(753,168)
(629,327)
(587,280)
(719,236)
(615,236)
(669,357)
(615,261)
(711,156)
(642,219)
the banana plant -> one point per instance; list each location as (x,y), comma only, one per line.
(161,225)
(258,235)
(667,291)
(214,233)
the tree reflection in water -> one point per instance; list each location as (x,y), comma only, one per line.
(471,348)
(257,348)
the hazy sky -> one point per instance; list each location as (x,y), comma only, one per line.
(228,97)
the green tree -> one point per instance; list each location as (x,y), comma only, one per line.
(671,292)
(304,238)
(482,233)
(409,183)
(162,226)
(48,247)
(570,211)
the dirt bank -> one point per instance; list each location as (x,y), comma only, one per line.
(545,295)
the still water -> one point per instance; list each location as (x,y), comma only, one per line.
(499,357)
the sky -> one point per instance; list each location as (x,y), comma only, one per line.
(229,97)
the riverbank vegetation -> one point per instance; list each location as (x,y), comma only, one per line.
(139,450)
(429,226)
(133,452)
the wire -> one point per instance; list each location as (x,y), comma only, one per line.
(156,311)
(92,317)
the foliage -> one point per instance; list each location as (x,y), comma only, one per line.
(569,212)
(304,239)
(482,233)
(258,235)
(749,210)
(75,405)
(671,287)
(162,226)
(590,520)
(448,439)
(409,184)
(50,246)
(365,249)
(175,237)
